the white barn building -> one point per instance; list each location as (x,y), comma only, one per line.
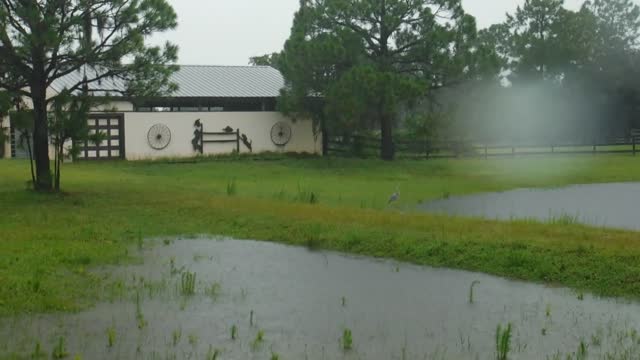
(217,110)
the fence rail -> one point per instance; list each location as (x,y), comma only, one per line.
(360,146)
(227,136)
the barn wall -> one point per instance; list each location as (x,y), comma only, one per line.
(256,125)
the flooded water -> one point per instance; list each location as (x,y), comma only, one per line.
(302,302)
(611,205)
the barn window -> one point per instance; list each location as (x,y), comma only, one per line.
(188,109)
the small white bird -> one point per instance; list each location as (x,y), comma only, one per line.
(395,196)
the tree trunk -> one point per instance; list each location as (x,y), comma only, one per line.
(30,151)
(325,136)
(29,148)
(40,130)
(55,167)
(59,154)
(386,127)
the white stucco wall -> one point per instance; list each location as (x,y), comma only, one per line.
(256,125)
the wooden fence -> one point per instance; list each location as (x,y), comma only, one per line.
(361,146)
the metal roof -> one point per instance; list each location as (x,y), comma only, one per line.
(201,81)
(106,85)
(227,81)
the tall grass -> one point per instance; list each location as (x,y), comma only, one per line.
(234,332)
(38,352)
(140,320)
(193,339)
(503,342)
(111,337)
(213,290)
(347,340)
(213,354)
(60,349)
(232,188)
(306,196)
(188,283)
(582,352)
(258,340)
(563,219)
(176,336)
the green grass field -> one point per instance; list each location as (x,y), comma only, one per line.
(50,243)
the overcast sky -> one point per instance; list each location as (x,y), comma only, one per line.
(228,32)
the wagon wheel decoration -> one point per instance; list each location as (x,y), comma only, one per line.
(281,134)
(159,136)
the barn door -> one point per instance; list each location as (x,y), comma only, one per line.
(112,126)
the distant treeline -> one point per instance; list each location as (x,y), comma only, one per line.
(423,68)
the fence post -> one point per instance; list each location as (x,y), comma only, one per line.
(202,140)
(633,140)
(594,147)
(238,140)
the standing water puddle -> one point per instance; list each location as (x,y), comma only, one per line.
(302,302)
(611,205)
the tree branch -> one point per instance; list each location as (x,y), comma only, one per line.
(16,88)
(363,34)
